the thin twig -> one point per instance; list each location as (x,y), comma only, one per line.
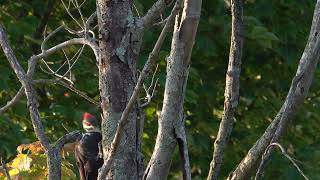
(70,14)
(13,101)
(136,9)
(286,155)
(33,60)
(46,38)
(153,85)
(73,89)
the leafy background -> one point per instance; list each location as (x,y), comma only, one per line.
(275,35)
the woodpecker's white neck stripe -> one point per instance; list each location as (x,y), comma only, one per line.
(90,128)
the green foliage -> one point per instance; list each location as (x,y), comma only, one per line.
(275,35)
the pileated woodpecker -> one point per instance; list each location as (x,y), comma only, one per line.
(87,149)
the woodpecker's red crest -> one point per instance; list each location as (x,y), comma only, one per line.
(89,121)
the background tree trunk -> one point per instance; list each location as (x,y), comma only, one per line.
(177,74)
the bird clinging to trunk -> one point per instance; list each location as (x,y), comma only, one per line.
(87,148)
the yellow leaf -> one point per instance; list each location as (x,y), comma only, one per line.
(22,162)
(14,172)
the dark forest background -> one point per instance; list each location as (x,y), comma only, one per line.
(275,35)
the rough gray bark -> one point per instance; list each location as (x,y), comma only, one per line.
(231,89)
(120,36)
(299,88)
(117,70)
(132,102)
(177,73)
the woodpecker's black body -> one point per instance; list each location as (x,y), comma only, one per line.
(87,149)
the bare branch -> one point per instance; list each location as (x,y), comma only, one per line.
(136,9)
(89,21)
(146,70)
(21,93)
(162,22)
(299,88)
(46,38)
(231,89)
(68,138)
(285,154)
(154,12)
(13,101)
(25,81)
(31,68)
(67,8)
(53,153)
(70,42)
(80,93)
(55,73)
(51,72)
(5,168)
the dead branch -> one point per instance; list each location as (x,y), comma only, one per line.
(13,101)
(25,81)
(298,90)
(91,43)
(33,61)
(67,8)
(71,88)
(68,138)
(21,93)
(231,89)
(52,152)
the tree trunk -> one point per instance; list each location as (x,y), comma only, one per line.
(177,74)
(54,164)
(117,78)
